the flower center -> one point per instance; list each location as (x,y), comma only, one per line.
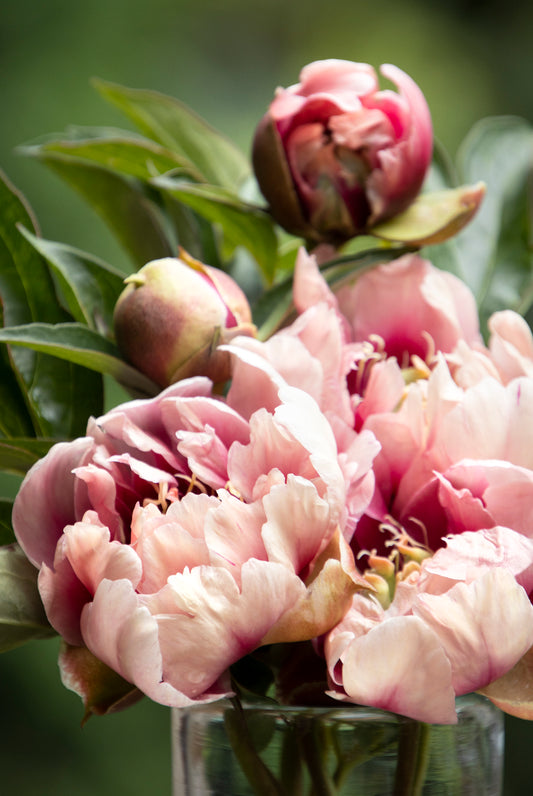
(404,560)
(171,493)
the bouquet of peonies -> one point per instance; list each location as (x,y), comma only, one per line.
(338,480)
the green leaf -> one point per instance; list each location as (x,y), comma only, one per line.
(176,127)
(7,535)
(76,343)
(17,455)
(22,616)
(115,150)
(432,217)
(57,396)
(243,224)
(90,286)
(15,419)
(122,202)
(495,250)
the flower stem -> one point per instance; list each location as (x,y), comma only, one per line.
(413,758)
(259,776)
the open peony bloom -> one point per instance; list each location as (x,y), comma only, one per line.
(334,155)
(447,540)
(448,544)
(180,534)
(356,349)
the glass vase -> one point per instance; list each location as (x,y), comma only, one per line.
(231,750)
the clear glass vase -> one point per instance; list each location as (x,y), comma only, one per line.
(228,750)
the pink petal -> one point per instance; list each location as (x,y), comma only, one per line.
(206,623)
(63,596)
(45,502)
(400,666)
(468,555)
(298,525)
(485,627)
(94,557)
(123,634)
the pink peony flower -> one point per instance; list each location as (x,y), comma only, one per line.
(334,155)
(447,540)
(159,534)
(355,350)
(448,543)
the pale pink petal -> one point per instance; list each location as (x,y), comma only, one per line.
(511,344)
(255,381)
(94,557)
(164,542)
(309,286)
(101,493)
(270,448)
(485,627)
(232,530)
(206,455)
(298,525)
(378,670)
(468,555)
(205,623)
(124,635)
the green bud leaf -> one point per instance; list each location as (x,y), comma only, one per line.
(433,217)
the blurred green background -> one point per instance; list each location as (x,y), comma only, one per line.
(224,58)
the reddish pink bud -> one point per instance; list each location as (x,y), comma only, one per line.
(334,155)
(174,313)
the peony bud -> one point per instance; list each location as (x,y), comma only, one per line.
(174,313)
(334,155)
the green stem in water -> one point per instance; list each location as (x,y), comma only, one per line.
(260,778)
(413,758)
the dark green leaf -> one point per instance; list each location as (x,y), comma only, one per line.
(7,535)
(15,420)
(114,150)
(122,203)
(76,343)
(17,455)
(22,616)
(90,286)
(176,127)
(56,395)
(243,224)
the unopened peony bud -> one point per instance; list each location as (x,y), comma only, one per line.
(334,155)
(174,313)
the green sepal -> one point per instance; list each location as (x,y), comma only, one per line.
(433,217)
(101,689)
